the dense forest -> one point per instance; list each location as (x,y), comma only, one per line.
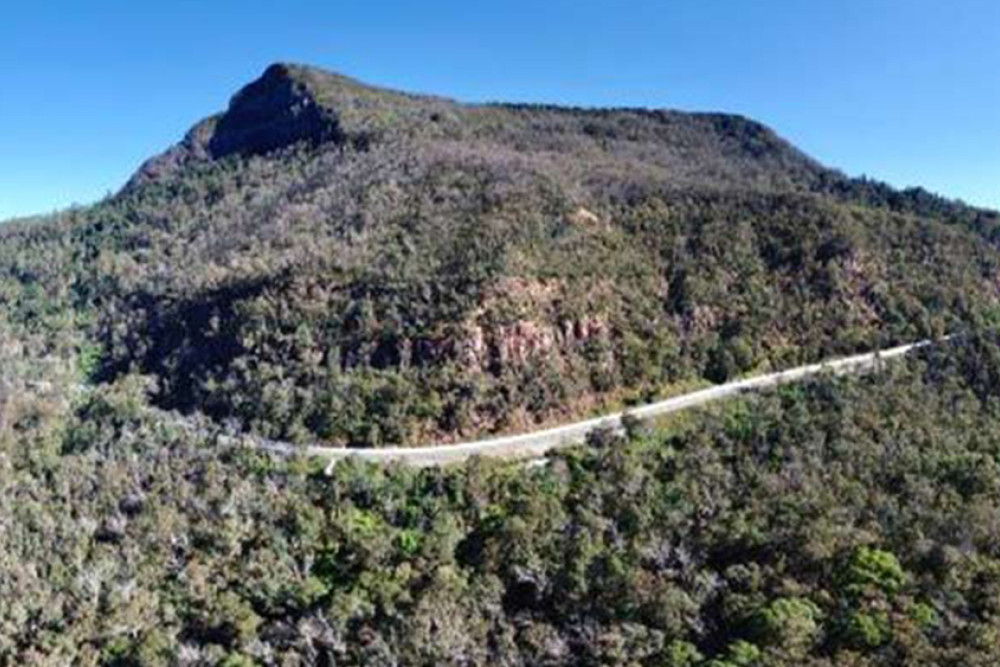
(847,521)
(326,261)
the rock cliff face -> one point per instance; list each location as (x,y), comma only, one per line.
(275,111)
(518,344)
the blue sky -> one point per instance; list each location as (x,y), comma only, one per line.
(903,90)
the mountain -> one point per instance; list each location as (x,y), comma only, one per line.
(327,260)
(330,261)
(291,104)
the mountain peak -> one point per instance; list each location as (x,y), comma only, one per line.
(276,110)
(292,104)
(289,104)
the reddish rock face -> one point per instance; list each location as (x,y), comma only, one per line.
(522,341)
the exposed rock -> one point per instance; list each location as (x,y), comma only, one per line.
(472,349)
(582,216)
(523,340)
(275,111)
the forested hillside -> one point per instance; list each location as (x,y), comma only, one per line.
(328,261)
(839,522)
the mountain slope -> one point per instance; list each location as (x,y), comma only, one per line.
(331,260)
(328,260)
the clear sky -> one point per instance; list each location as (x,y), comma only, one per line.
(907,91)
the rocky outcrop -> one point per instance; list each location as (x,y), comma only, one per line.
(523,341)
(492,343)
(582,217)
(275,111)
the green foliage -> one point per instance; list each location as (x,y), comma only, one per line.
(738,654)
(237,660)
(155,649)
(408,542)
(89,360)
(787,622)
(682,654)
(870,569)
(729,359)
(867,629)
(924,615)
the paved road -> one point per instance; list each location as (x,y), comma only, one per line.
(536,444)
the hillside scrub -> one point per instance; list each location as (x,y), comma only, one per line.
(842,521)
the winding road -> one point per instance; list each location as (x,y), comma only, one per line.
(536,444)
